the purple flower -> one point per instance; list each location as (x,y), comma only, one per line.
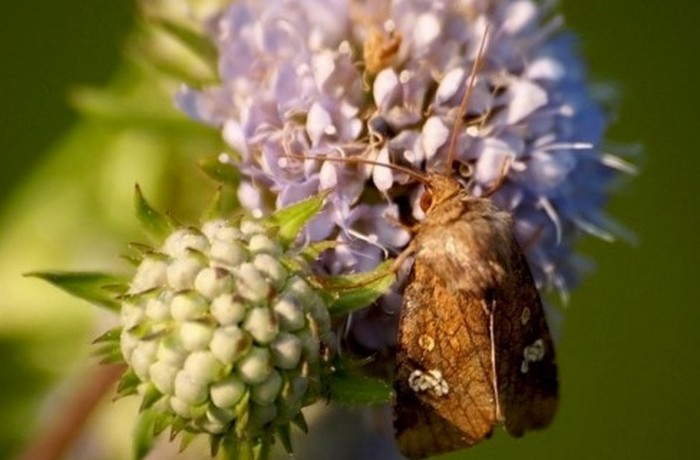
(384,82)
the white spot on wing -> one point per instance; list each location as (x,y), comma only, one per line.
(431,381)
(532,354)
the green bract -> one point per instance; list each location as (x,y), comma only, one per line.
(225,331)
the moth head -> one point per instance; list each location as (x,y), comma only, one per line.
(438,189)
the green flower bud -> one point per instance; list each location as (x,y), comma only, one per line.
(223,325)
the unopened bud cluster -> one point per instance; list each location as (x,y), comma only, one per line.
(222,326)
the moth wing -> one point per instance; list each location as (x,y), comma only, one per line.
(445,331)
(525,361)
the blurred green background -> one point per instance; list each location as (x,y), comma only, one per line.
(630,356)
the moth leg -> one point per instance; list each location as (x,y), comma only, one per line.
(412,229)
(502,176)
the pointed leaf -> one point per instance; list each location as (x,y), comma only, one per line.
(228,449)
(312,252)
(151,396)
(128,384)
(144,436)
(153,222)
(352,292)
(261,450)
(292,219)
(162,422)
(112,335)
(284,435)
(186,439)
(215,444)
(178,425)
(197,42)
(109,353)
(241,448)
(222,170)
(353,388)
(85,285)
(215,207)
(300,421)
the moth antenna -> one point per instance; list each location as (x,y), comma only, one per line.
(459,122)
(414,174)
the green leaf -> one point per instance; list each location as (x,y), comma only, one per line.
(352,388)
(352,292)
(197,42)
(314,250)
(144,434)
(153,222)
(88,286)
(223,172)
(292,219)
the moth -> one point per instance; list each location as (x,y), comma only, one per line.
(473,347)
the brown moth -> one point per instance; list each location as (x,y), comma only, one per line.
(473,346)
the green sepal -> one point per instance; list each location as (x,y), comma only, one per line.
(285,436)
(215,441)
(143,251)
(300,421)
(132,259)
(186,439)
(225,173)
(240,449)
(142,331)
(242,415)
(178,425)
(144,434)
(108,346)
(350,387)
(223,203)
(109,353)
(351,292)
(155,224)
(128,384)
(162,422)
(150,397)
(291,220)
(88,286)
(261,450)
(110,336)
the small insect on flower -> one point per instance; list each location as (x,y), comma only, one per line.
(460,324)
(473,344)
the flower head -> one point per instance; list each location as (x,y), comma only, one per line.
(383,82)
(222,333)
